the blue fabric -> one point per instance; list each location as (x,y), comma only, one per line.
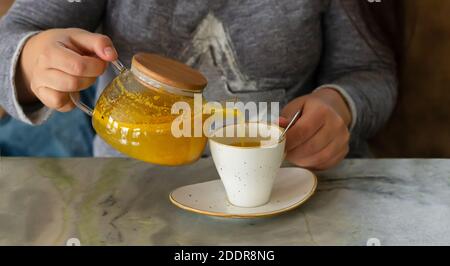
(63,135)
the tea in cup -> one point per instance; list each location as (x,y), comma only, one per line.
(248,163)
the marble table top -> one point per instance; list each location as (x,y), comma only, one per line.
(125,202)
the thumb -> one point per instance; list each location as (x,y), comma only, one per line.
(94,43)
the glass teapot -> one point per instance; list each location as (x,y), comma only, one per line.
(133,113)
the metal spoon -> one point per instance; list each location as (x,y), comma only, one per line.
(293,121)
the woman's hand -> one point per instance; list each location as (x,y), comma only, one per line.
(57,62)
(320,138)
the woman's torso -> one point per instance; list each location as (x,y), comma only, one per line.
(255,50)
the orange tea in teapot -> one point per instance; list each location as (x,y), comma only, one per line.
(141,128)
(133,114)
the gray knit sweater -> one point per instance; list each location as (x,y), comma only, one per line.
(259,50)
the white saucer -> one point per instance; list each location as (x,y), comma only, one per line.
(293,186)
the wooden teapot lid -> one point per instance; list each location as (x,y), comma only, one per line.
(169,71)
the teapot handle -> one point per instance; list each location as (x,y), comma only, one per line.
(82,106)
(75,97)
(119,66)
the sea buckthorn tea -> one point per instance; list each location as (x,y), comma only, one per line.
(133,114)
(138,124)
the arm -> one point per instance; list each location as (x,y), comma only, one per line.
(4,6)
(357,93)
(22,23)
(364,75)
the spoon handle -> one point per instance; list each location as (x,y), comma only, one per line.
(293,121)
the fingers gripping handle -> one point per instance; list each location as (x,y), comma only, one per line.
(82,106)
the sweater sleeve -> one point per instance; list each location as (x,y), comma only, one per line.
(358,66)
(25,19)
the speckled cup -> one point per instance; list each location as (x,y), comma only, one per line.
(248,173)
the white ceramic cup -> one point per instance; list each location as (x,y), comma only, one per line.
(248,173)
